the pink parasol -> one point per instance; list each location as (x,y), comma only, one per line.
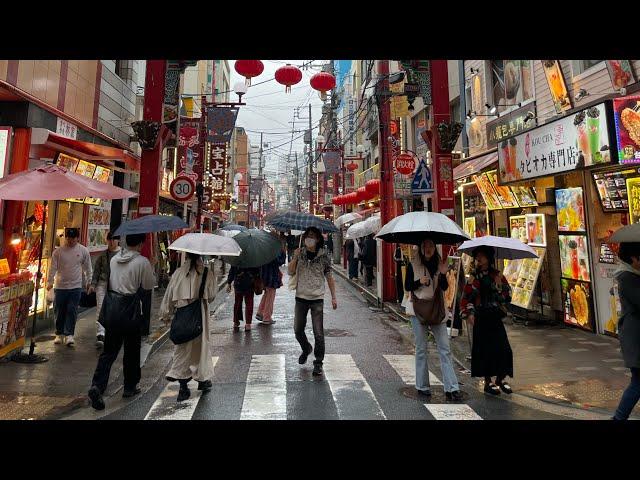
(53,182)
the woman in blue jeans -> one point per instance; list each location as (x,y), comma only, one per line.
(628,278)
(424,273)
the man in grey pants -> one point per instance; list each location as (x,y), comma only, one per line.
(312,266)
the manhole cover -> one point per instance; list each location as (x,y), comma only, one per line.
(45,338)
(335,332)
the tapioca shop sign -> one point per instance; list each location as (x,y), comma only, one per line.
(582,139)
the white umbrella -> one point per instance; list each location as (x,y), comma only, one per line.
(627,234)
(362,229)
(207,244)
(507,248)
(351,217)
(227,233)
(414,227)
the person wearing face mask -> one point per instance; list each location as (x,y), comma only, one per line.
(482,305)
(311,265)
(425,278)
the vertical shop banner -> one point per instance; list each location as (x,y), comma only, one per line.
(578,140)
(332,162)
(220,123)
(627,119)
(190,149)
(350,149)
(633,190)
(5,136)
(216,171)
(171,93)
(445,177)
(422,126)
(621,73)
(557,85)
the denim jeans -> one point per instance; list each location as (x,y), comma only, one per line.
(449,379)
(300,322)
(65,305)
(630,396)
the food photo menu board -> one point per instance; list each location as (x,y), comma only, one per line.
(577,304)
(525,196)
(527,278)
(505,195)
(612,188)
(488,193)
(570,210)
(474,212)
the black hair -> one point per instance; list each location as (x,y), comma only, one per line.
(434,262)
(488,251)
(135,239)
(193,258)
(628,250)
(318,233)
(111,236)
(71,232)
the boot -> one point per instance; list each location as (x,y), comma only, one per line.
(184,391)
(205,386)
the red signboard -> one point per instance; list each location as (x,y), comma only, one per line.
(190,149)
(445,177)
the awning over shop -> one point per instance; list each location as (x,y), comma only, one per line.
(474,165)
(45,144)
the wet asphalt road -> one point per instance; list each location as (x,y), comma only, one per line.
(368,370)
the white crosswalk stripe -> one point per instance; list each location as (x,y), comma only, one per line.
(452,411)
(405,366)
(167,408)
(265,396)
(352,394)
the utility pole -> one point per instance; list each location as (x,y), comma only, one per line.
(261,185)
(311,206)
(297,191)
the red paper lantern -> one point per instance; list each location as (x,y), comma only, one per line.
(249,69)
(405,164)
(288,75)
(352,166)
(361,194)
(323,82)
(373,187)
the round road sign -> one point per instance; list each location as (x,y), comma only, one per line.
(182,189)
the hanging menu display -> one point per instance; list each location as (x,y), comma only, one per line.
(612,188)
(528,270)
(633,192)
(488,193)
(525,196)
(475,215)
(505,195)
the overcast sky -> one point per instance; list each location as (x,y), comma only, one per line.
(270,110)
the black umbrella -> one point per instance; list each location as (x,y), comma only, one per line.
(301,221)
(258,249)
(150,224)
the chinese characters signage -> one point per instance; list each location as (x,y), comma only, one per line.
(66,129)
(627,116)
(216,169)
(557,86)
(571,142)
(171,95)
(633,190)
(331,160)
(350,146)
(510,124)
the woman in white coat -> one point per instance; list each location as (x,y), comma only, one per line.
(191,359)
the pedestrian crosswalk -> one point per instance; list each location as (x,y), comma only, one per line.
(267,396)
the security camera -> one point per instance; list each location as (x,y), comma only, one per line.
(530,116)
(622,91)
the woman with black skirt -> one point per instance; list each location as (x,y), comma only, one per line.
(484,295)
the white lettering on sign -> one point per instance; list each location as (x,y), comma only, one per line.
(145,210)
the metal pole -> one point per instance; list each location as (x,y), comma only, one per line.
(311,207)
(463,106)
(261,186)
(297,191)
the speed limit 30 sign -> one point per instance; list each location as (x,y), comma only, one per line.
(182,189)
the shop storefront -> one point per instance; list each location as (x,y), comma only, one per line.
(569,162)
(23,221)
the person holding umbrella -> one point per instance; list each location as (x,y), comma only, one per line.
(482,305)
(628,278)
(272,279)
(191,359)
(243,280)
(312,266)
(426,278)
(350,247)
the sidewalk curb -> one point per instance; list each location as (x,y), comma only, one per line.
(371,298)
(393,312)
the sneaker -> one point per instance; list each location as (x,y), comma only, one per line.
(455,396)
(183,394)
(100,341)
(424,393)
(317,370)
(70,341)
(130,392)
(304,355)
(95,396)
(259,317)
(492,389)
(58,340)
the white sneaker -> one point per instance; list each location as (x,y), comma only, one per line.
(58,340)
(69,341)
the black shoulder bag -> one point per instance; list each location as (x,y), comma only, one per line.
(187,322)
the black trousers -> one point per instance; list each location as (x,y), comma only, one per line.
(369,274)
(113,341)
(399,285)
(300,322)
